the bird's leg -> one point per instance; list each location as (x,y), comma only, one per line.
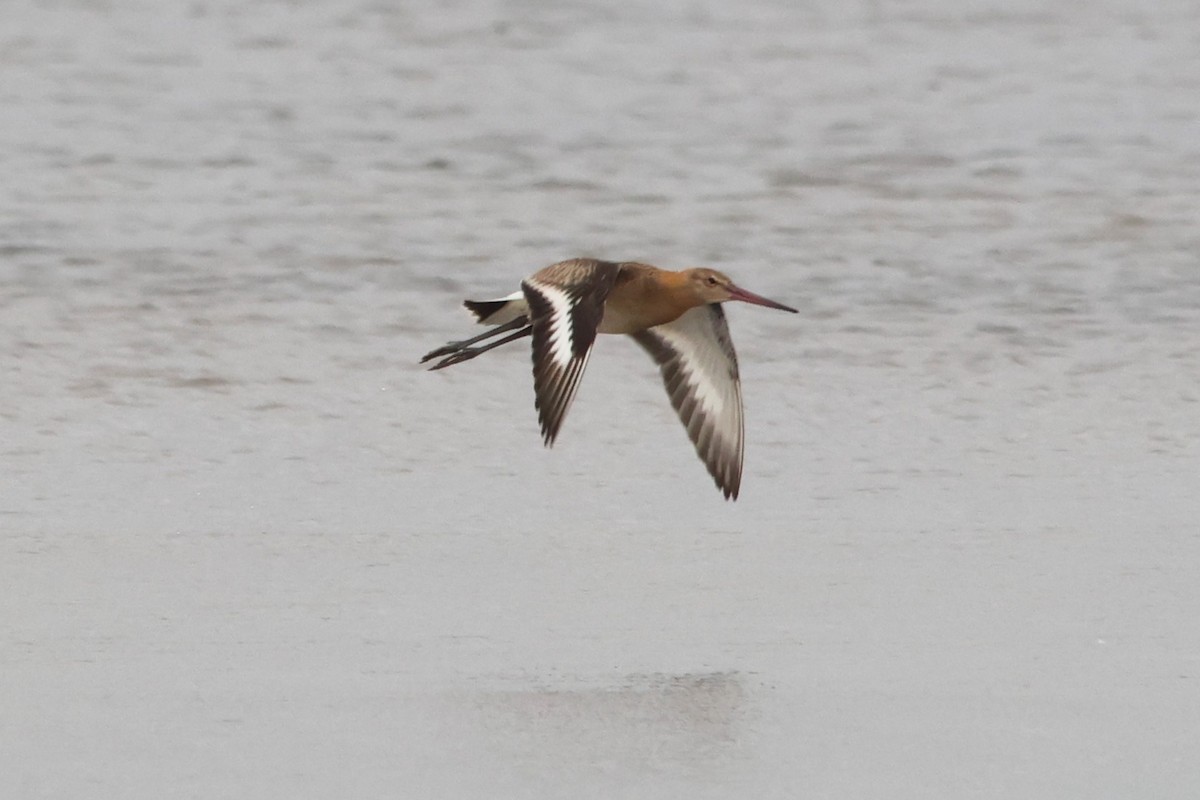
(454,347)
(467,353)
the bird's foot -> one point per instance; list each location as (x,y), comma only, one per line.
(455,357)
(447,349)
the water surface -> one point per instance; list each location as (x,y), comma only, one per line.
(251,548)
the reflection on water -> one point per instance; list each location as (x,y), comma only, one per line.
(228,230)
(650,723)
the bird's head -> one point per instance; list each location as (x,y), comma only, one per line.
(711,286)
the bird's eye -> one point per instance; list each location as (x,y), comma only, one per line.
(710,280)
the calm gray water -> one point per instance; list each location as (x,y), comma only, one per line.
(250,549)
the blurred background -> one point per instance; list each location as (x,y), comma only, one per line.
(250,547)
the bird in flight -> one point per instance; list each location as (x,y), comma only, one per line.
(675,316)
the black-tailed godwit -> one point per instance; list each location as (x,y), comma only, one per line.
(675,316)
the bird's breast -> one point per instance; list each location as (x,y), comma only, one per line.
(637,305)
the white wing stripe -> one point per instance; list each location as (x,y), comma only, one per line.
(697,369)
(561,346)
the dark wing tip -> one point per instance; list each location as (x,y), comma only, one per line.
(554,391)
(727,476)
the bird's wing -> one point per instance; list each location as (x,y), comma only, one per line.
(699,368)
(566,304)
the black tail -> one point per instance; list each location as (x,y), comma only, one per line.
(482,309)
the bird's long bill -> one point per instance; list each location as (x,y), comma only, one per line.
(738,293)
